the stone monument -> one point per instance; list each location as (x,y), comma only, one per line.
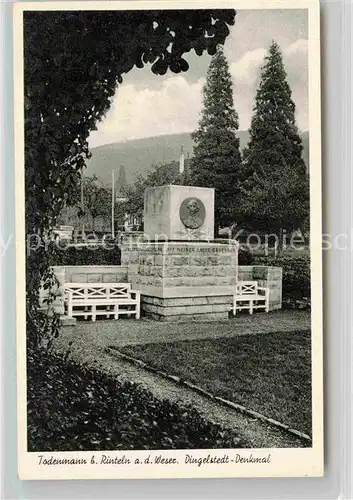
(180,270)
(183,274)
(177,213)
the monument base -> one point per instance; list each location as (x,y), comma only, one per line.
(188,281)
(201,308)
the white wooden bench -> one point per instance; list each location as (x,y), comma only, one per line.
(249,295)
(101,299)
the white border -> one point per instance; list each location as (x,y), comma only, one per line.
(284,462)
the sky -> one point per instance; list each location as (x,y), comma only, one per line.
(146,105)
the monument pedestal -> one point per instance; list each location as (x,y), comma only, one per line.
(186,281)
(205,308)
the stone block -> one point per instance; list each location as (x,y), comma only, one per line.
(149,259)
(210,316)
(154,301)
(155,317)
(206,271)
(224,260)
(222,271)
(143,259)
(174,272)
(159,260)
(189,271)
(275,273)
(177,301)
(199,281)
(275,295)
(197,301)
(192,317)
(79,278)
(198,260)
(122,275)
(66,321)
(158,271)
(222,307)
(221,281)
(173,282)
(177,310)
(131,273)
(274,285)
(220,300)
(130,257)
(150,308)
(177,260)
(110,278)
(153,280)
(94,278)
(214,260)
(147,268)
(146,299)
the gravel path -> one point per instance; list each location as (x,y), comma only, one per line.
(130,332)
(89,342)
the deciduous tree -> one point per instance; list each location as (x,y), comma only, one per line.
(97,198)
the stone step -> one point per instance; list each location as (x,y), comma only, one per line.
(67,321)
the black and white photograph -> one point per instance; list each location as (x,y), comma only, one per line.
(168,211)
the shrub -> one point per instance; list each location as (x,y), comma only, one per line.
(73,407)
(83,256)
(296,275)
(245,257)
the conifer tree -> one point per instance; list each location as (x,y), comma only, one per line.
(217,158)
(275,185)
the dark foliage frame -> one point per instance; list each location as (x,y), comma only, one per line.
(73,62)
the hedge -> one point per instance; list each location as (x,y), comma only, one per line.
(73,407)
(83,256)
(296,274)
(245,257)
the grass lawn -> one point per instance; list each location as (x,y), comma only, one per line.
(269,373)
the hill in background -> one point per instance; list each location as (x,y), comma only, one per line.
(139,156)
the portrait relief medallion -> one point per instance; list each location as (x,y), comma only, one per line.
(192,213)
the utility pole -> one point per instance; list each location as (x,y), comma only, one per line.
(181,161)
(82,206)
(113,201)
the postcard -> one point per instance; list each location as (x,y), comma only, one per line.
(168,239)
